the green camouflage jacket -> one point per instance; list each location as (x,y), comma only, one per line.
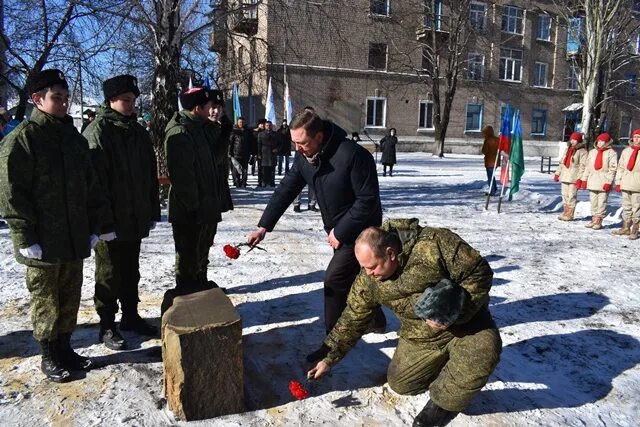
(193,195)
(49,192)
(124,160)
(428,255)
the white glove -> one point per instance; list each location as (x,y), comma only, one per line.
(93,240)
(107,237)
(34,252)
(152,225)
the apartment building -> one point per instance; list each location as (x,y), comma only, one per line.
(362,64)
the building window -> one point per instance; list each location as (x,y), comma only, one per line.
(474,118)
(426,65)
(573,78)
(538,122)
(631,86)
(636,47)
(625,130)
(477,13)
(376,111)
(433,18)
(636,6)
(574,35)
(510,65)
(512,20)
(379,7)
(540,74)
(475,66)
(544,28)
(426,115)
(377,56)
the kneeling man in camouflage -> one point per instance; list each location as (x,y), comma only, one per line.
(438,286)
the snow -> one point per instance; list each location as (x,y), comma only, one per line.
(566,299)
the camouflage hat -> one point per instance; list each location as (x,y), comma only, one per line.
(48,78)
(194,97)
(120,84)
(441,303)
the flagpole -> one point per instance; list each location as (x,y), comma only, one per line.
(502,187)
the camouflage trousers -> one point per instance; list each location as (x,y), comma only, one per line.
(55,298)
(192,243)
(117,277)
(453,373)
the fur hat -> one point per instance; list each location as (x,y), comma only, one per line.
(441,303)
(48,78)
(216,96)
(604,137)
(194,97)
(577,136)
(120,84)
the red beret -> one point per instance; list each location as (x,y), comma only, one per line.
(635,132)
(603,137)
(577,136)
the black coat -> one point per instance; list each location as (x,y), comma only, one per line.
(346,185)
(268,142)
(388,147)
(240,142)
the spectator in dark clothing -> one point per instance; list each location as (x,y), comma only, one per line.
(388,147)
(91,116)
(239,151)
(327,160)
(254,161)
(267,149)
(285,147)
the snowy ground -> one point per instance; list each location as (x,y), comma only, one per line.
(566,299)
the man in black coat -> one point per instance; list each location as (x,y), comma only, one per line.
(327,160)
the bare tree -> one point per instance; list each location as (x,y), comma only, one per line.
(599,34)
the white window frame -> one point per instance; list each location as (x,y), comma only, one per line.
(627,137)
(536,75)
(511,63)
(469,62)
(477,14)
(539,26)
(513,18)
(546,119)
(466,116)
(380,14)
(426,102)
(384,112)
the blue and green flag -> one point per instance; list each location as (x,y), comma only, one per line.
(516,157)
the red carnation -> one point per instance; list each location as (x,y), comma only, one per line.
(232,252)
(297,390)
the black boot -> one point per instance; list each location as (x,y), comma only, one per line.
(319,354)
(109,334)
(133,322)
(296,208)
(433,415)
(50,365)
(69,358)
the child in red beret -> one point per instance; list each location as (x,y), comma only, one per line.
(598,177)
(628,182)
(569,172)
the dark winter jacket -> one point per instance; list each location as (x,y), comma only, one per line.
(125,163)
(193,195)
(218,137)
(388,147)
(49,192)
(345,182)
(428,255)
(285,141)
(268,143)
(240,144)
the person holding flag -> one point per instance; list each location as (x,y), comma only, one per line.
(598,177)
(570,170)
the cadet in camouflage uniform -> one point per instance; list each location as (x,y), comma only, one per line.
(55,208)
(125,162)
(453,358)
(194,202)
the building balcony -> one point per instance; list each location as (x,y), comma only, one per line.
(441,26)
(218,41)
(244,21)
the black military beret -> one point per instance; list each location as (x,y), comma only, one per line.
(216,96)
(48,78)
(120,84)
(441,303)
(191,98)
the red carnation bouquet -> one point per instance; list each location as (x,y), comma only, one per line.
(233,251)
(297,390)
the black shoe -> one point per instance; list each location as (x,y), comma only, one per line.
(69,358)
(112,339)
(319,354)
(50,364)
(296,208)
(433,415)
(137,324)
(314,208)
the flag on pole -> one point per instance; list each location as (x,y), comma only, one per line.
(516,156)
(270,107)
(205,83)
(288,105)
(237,111)
(179,103)
(190,83)
(504,145)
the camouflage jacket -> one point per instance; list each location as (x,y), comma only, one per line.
(193,195)
(49,192)
(429,254)
(124,160)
